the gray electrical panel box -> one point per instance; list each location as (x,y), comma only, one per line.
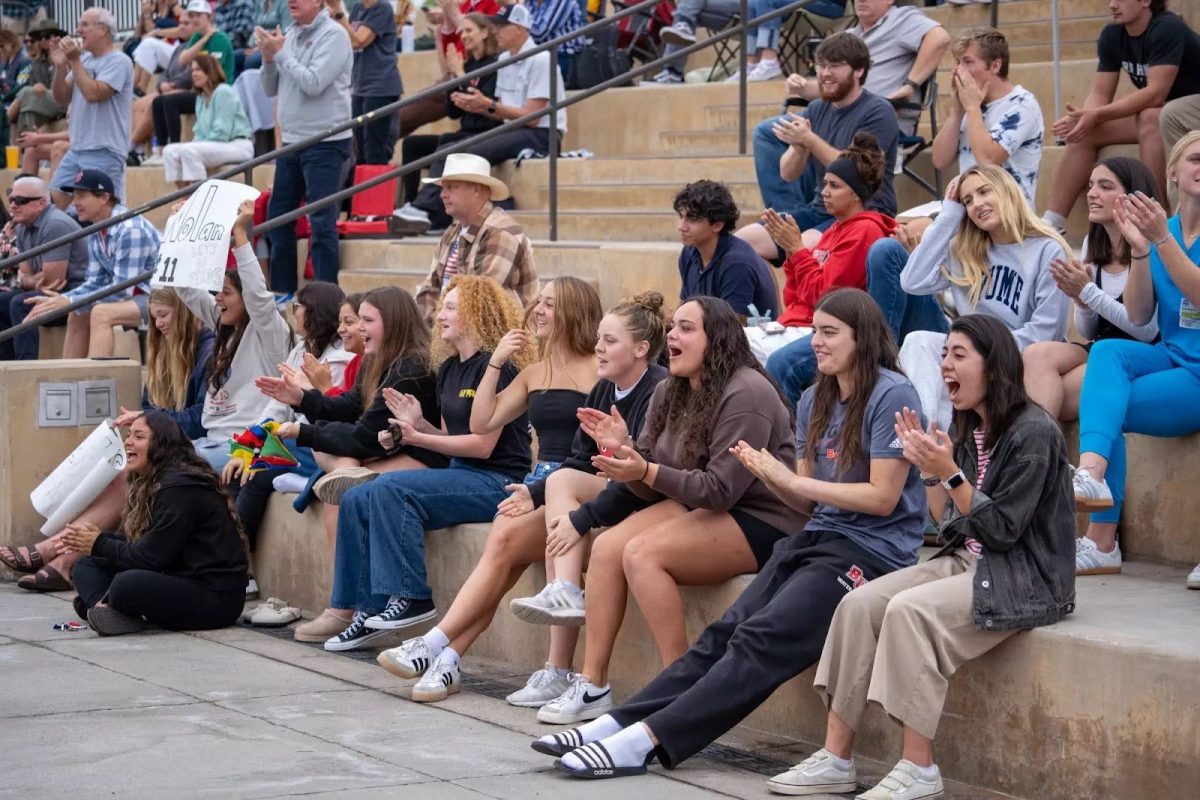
(58,405)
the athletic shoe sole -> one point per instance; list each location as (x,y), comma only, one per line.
(1092,504)
(398,669)
(1193,584)
(332,487)
(805,791)
(583,715)
(599,773)
(673,36)
(315,638)
(540,703)
(435,695)
(556,750)
(362,641)
(399,624)
(1098,571)
(109,622)
(537,615)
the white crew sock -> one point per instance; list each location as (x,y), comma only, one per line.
(1055,219)
(449,656)
(559,671)
(628,748)
(592,731)
(839,762)
(436,640)
(929,773)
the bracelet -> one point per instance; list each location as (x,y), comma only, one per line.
(1139,256)
(1161,241)
(493,366)
(645,472)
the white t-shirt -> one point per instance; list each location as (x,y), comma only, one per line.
(518,83)
(1014,122)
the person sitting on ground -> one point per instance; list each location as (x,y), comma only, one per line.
(1054,370)
(1135,387)
(521,88)
(37,221)
(382,524)
(95,78)
(483,239)
(221,134)
(839,259)
(713,261)
(991,121)
(630,337)
(1158,51)
(176,77)
(817,137)
(866,510)
(375,79)
(707,519)
(999,485)
(115,254)
(762,46)
(687,16)
(480,48)
(994,255)
(179,561)
(252,338)
(34,106)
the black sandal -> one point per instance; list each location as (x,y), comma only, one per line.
(598,764)
(26,560)
(46,579)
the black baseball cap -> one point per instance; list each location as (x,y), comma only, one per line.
(91,180)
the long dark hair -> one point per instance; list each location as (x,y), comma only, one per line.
(170,449)
(728,351)
(1005,376)
(1134,176)
(228,337)
(405,334)
(322,303)
(874,349)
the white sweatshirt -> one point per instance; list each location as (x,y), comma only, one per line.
(1096,302)
(238,403)
(1021,293)
(335,355)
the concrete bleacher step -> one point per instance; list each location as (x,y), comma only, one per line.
(642,195)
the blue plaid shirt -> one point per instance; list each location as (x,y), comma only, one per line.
(236,19)
(117,253)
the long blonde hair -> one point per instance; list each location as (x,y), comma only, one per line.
(1185,141)
(577,315)
(486,311)
(171,359)
(971,243)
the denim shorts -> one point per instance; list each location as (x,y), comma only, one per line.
(541,471)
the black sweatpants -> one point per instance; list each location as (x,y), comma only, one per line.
(168,601)
(251,503)
(167,110)
(772,633)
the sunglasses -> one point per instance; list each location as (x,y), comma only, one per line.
(20,201)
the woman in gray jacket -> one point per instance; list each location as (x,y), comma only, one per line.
(1001,483)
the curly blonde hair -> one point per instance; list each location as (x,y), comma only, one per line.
(486,311)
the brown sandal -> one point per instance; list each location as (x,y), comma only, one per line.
(26,560)
(46,579)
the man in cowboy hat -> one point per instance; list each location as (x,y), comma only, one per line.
(34,105)
(482,239)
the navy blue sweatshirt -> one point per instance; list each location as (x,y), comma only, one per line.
(197,387)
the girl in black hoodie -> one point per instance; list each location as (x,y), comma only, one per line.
(180,562)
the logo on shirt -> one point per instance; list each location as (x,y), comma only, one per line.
(466,394)
(1005,287)
(853,579)
(896,444)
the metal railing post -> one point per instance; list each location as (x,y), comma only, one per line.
(554,76)
(1055,46)
(742,91)
(995,13)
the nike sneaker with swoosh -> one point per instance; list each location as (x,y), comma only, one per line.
(582,701)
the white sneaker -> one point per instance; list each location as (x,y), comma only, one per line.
(736,75)
(411,213)
(904,782)
(817,774)
(667,77)
(439,682)
(412,658)
(765,71)
(1193,580)
(679,33)
(558,603)
(1090,561)
(251,589)
(581,701)
(155,160)
(1090,494)
(542,687)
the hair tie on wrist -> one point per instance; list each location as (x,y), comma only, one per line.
(645,472)
(1139,256)
(1161,241)
(493,366)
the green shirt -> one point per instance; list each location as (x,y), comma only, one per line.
(220,48)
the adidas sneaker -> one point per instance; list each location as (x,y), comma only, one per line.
(440,681)
(410,660)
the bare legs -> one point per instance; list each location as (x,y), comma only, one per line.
(104,316)
(839,740)
(104,512)
(566,490)
(1054,377)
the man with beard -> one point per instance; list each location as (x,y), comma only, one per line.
(827,127)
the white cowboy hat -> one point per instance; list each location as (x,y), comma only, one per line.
(472,169)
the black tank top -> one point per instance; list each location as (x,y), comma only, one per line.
(552,414)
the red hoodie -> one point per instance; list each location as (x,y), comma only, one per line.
(839,260)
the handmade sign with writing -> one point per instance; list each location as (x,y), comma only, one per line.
(195,244)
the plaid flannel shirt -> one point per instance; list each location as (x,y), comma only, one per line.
(497,249)
(236,19)
(116,254)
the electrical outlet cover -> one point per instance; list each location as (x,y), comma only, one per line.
(58,405)
(97,401)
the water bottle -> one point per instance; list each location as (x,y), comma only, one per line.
(407,38)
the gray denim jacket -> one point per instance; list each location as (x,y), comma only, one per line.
(1024,516)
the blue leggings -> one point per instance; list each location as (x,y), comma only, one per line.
(1132,387)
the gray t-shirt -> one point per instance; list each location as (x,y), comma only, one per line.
(836,127)
(894,537)
(53,224)
(1015,123)
(893,42)
(103,126)
(375,73)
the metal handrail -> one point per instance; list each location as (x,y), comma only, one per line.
(552,108)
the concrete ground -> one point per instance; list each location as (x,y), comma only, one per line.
(243,713)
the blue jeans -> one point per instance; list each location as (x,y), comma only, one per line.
(309,174)
(1132,387)
(710,14)
(380,550)
(375,142)
(213,450)
(904,312)
(767,34)
(541,471)
(13,311)
(794,368)
(776,192)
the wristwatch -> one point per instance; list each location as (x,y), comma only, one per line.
(491,109)
(910,82)
(954,481)
(341,15)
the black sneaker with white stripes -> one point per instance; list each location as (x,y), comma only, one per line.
(356,635)
(560,743)
(401,612)
(597,762)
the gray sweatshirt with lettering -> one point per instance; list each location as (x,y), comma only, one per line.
(311,78)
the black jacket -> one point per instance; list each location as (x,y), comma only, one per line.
(469,122)
(191,535)
(339,425)
(615,502)
(1024,517)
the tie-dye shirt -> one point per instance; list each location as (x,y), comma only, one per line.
(1015,123)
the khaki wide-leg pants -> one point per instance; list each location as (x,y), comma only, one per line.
(897,640)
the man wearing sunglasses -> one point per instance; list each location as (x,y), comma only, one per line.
(38,221)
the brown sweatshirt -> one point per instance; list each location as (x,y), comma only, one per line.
(750,410)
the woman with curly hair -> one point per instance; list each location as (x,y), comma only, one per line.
(180,562)
(703,518)
(379,558)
